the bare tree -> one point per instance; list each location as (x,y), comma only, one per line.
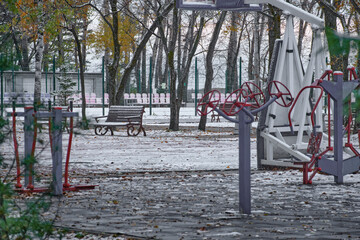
(339,59)
(209,65)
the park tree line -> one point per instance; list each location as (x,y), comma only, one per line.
(128,32)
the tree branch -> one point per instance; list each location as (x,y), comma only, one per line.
(331,8)
(96,9)
(355,5)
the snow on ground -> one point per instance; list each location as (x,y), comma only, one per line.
(160,150)
(143,180)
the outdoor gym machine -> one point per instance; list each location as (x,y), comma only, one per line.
(338,90)
(55,116)
(331,159)
(246,103)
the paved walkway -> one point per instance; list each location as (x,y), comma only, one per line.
(204,205)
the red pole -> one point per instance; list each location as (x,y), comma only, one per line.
(329,117)
(16,147)
(50,126)
(66,176)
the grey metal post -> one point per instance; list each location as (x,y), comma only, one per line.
(150,85)
(28,141)
(244,164)
(57,152)
(338,131)
(103,85)
(196,85)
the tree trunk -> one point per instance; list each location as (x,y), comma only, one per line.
(174,101)
(84,122)
(60,45)
(231,66)
(107,58)
(209,66)
(38,68)
(22,51)
(185,70)
(251,57)
(114,67)
(154,65)
(158,68)
(138,77)
(143,71)
(257,64)
(330,23)
(144,60)
(274,28)
(189,40)
(39,57)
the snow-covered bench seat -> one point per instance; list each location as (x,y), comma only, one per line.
(128,116)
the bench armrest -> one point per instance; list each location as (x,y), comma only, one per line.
(96,118)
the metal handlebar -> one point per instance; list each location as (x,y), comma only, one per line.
(312,112)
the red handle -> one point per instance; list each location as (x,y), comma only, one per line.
(313,111)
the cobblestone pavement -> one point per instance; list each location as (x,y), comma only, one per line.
(204,205)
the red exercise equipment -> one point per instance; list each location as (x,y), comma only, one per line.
(315,106)
(208,102)
(254,94)
(235,99)
(282,91)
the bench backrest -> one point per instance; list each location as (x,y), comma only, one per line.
(123,113)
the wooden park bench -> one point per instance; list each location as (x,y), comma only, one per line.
(215,116)
(118,116)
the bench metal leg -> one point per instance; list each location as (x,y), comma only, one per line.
(131,131)
(101,130)
(143,129)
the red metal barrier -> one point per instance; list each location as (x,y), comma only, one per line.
(16,148)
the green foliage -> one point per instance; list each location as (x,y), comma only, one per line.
(340,45)
(6,62)
(66,87)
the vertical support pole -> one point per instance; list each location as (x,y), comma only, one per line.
(46,80)
(139,82)
(78,83)
(56,184)
(150,85)
(244,164)
(338,125)
(196,86)
(54,84)
(13,78)
(28,141)
(2,92)
(168,82)
(240,72)
(226,82)
(103,85)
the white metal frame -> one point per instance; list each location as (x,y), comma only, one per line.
(289,71)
